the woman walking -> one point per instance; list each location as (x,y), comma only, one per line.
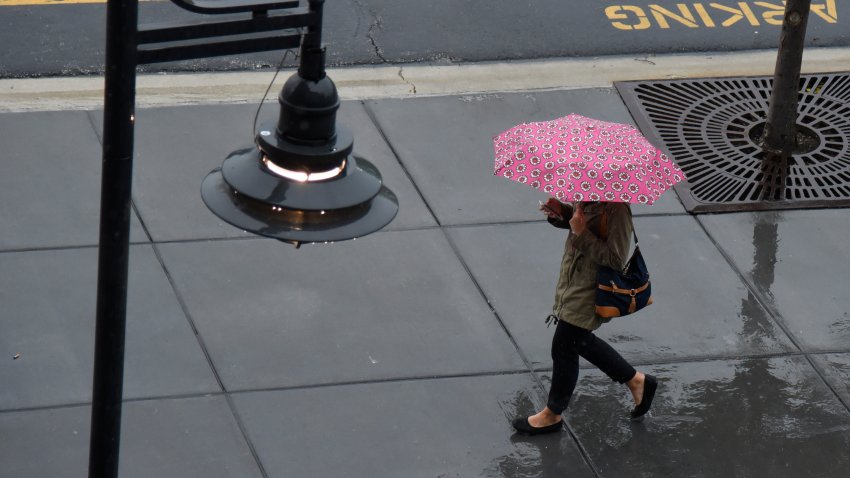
(600,234)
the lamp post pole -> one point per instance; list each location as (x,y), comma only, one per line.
(114,241)
(350,204)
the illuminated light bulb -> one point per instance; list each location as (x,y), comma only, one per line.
(301,176)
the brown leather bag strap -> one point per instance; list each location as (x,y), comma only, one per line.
(603,226)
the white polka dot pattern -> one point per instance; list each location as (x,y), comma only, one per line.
(575,158)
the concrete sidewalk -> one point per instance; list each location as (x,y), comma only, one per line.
(408,352)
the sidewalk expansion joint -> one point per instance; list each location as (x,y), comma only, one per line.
(660,362)
(13,250)
(371,114)
(210,362)
(374,381)
(211,239)
(543,221)
(245,436)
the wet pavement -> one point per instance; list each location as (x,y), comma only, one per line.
(407,352)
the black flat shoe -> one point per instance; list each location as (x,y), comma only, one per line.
(521,424)
(650,385)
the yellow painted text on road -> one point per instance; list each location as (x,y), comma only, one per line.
(709,15)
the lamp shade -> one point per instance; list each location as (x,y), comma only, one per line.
(299,211)
(300,182)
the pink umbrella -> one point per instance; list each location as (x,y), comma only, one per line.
(575,158)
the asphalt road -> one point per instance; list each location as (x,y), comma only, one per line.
(61,38)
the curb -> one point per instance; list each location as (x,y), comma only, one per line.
(411,80)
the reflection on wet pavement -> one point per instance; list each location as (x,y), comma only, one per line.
(757,417)
(547,455)
(797,261)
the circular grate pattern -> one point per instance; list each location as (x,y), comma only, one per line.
(710,128)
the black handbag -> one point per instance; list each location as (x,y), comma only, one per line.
(626,291)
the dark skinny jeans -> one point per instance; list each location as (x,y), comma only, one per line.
(568,344)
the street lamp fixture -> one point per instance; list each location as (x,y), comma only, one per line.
(298,183)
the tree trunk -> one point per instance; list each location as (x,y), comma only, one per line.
(780,132)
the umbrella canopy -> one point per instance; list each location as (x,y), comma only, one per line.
(575,158)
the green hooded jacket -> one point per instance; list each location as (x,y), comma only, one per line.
(575,295)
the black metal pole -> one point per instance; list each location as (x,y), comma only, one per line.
(780,132)
(312,61)
(113,252)
(313,38)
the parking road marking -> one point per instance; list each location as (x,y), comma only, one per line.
(710,15)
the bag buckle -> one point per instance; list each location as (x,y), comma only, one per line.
(551,320)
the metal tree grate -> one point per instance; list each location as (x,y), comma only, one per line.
(710,128)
